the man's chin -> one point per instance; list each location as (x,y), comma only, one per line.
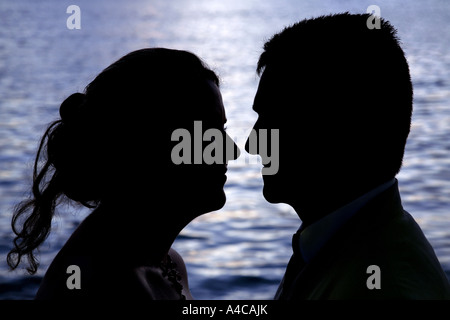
(272,195)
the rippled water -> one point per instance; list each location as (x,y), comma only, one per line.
(239,252)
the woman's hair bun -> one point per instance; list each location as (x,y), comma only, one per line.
(71,106)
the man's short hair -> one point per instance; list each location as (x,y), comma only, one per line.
(354,83)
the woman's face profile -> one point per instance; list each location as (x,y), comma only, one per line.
(202,179)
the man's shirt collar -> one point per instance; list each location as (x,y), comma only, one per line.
(315,236)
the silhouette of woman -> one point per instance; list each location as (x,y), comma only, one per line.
(111,151)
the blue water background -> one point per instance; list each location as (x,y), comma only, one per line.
(241,251)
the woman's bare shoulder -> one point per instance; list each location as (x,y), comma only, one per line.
(64,276)
(181,268)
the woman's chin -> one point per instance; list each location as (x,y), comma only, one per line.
(213,202)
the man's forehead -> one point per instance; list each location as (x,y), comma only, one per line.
(272,88)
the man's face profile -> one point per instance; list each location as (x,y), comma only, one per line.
(295,104)
(276,108)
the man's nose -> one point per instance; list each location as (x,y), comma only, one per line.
(251,145)
(247,145)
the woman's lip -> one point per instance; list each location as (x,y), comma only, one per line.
(219,171)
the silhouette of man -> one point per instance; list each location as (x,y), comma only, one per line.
(341,96)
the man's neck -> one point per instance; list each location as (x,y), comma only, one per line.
(326,199)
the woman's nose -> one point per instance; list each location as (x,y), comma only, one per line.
(232,150)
